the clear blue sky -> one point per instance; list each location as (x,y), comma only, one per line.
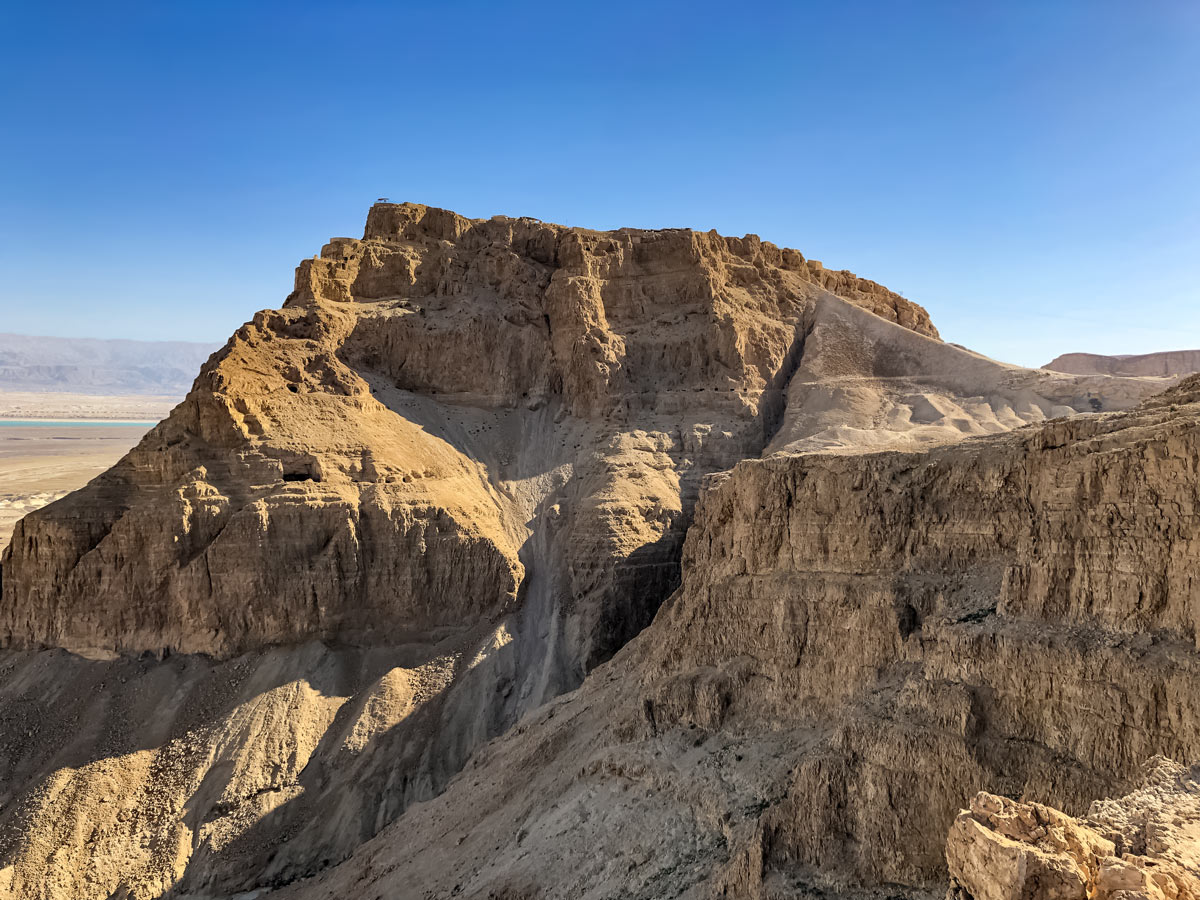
(1028,170)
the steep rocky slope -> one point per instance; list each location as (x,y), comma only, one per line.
(859,645)
(1161,365)
(460,396)
(452,476)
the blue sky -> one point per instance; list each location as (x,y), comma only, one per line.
(1030,171)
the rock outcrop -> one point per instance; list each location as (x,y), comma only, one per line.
(1170,363)
(439,408)
(860,643)
(1145,846)
(453,475)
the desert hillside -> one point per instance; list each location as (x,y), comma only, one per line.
(99,367)
(859,645)
(1163,365)
(515,560)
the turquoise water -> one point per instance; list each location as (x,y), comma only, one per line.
(69,423)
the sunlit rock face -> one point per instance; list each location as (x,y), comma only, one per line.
(445,414)
(1144,846)
(453,475)
(861,643)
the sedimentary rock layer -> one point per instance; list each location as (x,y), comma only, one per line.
(437,405)
(453,475)
(470,448)
(859,644)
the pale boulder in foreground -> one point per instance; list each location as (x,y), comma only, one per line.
(1144,846)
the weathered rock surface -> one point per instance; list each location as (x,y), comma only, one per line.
(453,475)
(1145,846)
(865,384)
(439,408)
(860,642)
(1160,365)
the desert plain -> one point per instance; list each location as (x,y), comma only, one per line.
(54,443)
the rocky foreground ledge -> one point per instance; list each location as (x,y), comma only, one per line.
(511,560)
(1144,846)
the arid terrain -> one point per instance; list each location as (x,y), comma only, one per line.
(51,405)
(1171,363)
(510,560)
(52,443)
(41,463)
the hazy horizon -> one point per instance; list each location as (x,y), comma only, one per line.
(216,344)
(84,337)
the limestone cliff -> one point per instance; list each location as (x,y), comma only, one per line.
(453,474)
(860,644)
(440,409)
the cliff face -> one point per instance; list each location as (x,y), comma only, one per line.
(464,454)
(438,408)
(1171,363)
(453,475)
(860,643)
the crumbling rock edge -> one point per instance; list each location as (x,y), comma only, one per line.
(1143,846)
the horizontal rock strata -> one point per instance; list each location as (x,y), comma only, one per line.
(860,643)
(453,475)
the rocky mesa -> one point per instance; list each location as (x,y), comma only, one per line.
(442,495)
(1161,365)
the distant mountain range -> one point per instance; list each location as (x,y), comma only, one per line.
(1170,362)
(90,366)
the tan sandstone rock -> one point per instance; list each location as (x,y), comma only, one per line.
(452,476)
(1145,846)
(458,392)
(859,642)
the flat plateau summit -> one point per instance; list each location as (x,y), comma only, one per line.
(1171,363)
(510,560)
